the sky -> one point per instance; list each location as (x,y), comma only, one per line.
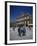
(17,10)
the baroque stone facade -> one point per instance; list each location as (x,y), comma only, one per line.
(24,19)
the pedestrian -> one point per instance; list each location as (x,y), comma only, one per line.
(19,31)
(24,30)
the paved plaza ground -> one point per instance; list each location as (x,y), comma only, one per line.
(14,34)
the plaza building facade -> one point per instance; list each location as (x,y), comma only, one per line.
(24,19)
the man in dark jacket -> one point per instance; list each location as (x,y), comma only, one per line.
(19,31)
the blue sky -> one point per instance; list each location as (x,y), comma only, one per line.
(17,10)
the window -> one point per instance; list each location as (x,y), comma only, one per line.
(25,22)
(27,17)
(28,22)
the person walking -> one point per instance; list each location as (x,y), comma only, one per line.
(19,31)
(24,31)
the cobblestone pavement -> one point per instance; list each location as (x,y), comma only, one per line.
(14,34)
